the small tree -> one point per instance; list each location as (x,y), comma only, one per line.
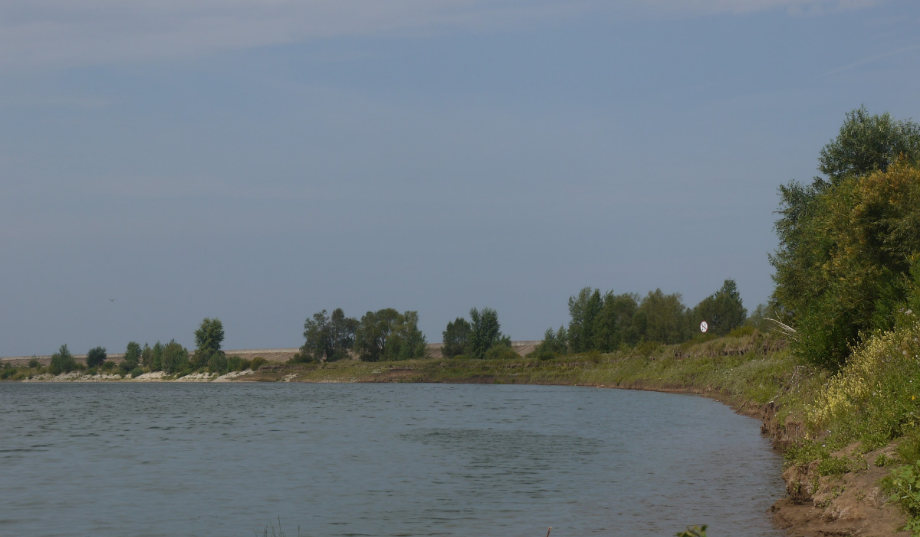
(456,338)
(485,332)
(174,357)
(95,357)
(208,339)
(132,355)
(62,361)
(722,310)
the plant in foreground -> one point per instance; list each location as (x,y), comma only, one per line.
(693,531)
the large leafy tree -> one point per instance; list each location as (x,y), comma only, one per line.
(95,357)
(847,243)
(208,340)
(613,325)
(328,338)
(722,310)
(389,335)
(132,355)
(174,357)
(456,337)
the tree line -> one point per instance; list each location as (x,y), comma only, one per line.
(608,322)
(379,335)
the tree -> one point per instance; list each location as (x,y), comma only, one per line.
(722,310)
(578,307)
(388,335)
(208,338)
(613,325)
(456,338)
(95,357)
(328,339)
(868,143)
(62,361)
(132,355)
(485,332)
(662,318)
(174,357)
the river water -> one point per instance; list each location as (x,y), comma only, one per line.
(170,459)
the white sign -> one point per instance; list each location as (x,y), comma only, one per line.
(704,326)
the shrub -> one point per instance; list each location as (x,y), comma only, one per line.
(90,371)
(904,486)
(257,362)
(95,357)
(136,372)
(62,361)
(6,373)
(244,365)
(501,352)
(218,363)
(301,358)
(34,363)
(545,354)
(108,366)
(233,363)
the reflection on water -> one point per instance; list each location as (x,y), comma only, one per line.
(395,460)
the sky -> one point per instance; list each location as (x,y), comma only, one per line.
(163,161)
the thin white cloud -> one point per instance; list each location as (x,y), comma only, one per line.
(74,32)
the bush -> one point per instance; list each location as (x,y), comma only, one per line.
(136,372)
(234,362)
(302,358)
(244,364)
(108,366)
(34,363)
(501,352)
(545,354)
(904,486)
(257,362)
(95,357)
(218,363)
(91,371)
(62,361)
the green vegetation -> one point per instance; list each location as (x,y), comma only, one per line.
(62,361)
(456,338)
(95,357)
(389,335)
(208,339)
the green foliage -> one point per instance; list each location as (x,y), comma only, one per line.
(136,372)
(485,332)
(834,466)
(108,366)
(34,363)
(301,357)
(389,335)
(663,318)
(153,356)
(62,361)
(553,343)
(904,486)
(613,325)
(133,355)
(257,362)
(208,339)
(174,358)
(868,143)
(328,338)
(884,460)
(722,310)
(693,531)
(218,363)
(847,243)
(456,338)
(501,352)
(95,357)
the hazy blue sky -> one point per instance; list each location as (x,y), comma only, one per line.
(260,160)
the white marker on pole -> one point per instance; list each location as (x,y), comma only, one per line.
(704,326)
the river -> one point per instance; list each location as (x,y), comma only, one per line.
(175,459)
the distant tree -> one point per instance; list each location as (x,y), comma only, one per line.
(613,325)
(868,143)
(174,357)
(62,361)
(147,356)
(388,335)
(485,332)
(208,339)
(662,318)
(132,355)
(95,357)
(156,357)
(578,306)
(456,338)
(722,310)
(328,338)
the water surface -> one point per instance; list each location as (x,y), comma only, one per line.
(377,460)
